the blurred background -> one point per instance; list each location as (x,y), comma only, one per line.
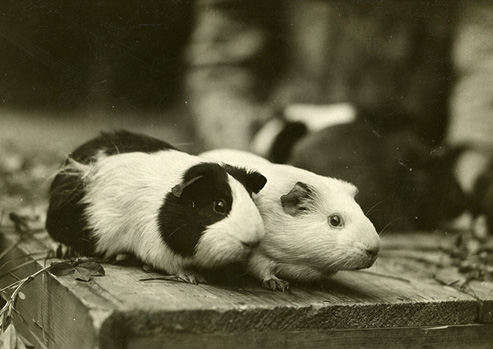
(83,62)
(69,70)
(203,74)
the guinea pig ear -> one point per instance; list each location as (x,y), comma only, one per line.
(296,201)
(255,181)
(252,180)
(177,190)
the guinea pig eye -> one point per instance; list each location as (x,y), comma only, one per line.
(220,206)
(335,221)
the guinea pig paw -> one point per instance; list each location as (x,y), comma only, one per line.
(189,278)
(275,284)
(62,251)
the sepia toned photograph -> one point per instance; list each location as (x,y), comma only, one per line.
(246,174)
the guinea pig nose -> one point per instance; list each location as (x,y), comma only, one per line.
(251,244)
(372,252)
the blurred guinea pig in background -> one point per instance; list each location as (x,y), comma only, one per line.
(404,183)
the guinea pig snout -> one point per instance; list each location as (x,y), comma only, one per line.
(372,252)
(244,223)
(252,240)
(368,250)
(250,244)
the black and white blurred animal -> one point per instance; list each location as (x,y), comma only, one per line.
(313,225)
(404,183)
(129,193)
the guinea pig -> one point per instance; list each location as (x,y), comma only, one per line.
(313,225)
(129,193)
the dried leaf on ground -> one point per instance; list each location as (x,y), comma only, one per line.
(62,269)
(473,257)
(82,271)
(82,274)
(95,269)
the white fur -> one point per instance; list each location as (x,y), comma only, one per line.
(124,193)
(305,247)
(221,243)
(317,117)
(314,117)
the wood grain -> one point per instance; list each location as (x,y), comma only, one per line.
(468,336)
(399,301)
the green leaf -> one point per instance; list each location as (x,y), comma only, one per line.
(96,269)
(62,269)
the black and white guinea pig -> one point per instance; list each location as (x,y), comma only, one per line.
(313,225)
(129,193)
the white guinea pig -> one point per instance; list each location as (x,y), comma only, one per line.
(313,225)
(129,193)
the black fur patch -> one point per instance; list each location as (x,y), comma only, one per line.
(285,142)
(182,220)
(65,220)
(118,142)
(251,180)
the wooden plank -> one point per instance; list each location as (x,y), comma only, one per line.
(118,310)
(421,255)
(56,308)
(468,336)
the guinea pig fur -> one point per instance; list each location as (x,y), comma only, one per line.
(313,225)
(128,193)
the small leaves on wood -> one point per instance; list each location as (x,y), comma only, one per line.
(82,274)
(473,257)
(95,269)
(81,270)
(62,268)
